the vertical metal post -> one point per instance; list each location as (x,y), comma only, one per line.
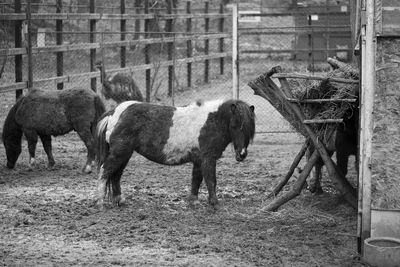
(18,44)
(235,52)
(59,41)
(367,102)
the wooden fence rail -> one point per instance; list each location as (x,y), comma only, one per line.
(93,46)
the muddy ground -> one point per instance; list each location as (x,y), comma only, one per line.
(48,217)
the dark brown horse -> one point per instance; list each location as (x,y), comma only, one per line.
(197,133)
(118,87)
(345,143)
(51,113)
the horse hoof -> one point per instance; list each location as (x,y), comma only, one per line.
(87,169)
(119,200)
(213,202)
(99,203)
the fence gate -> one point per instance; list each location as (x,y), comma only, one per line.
(295,36)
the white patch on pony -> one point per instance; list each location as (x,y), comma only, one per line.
(32,162)
(185,130)
(114,118)
(101,187)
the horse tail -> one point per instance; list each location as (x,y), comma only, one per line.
(102,146)
(99,110)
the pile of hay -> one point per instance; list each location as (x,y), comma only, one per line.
(303,89)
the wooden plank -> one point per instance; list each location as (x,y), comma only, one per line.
(206,44)
(99,16)
(235,52)
(87,46)
(19,86)
(147,52)
(96,74)
(189,46)
(170,51)
(314,77)
(92,39)
(294,100)
(322,121)
(221,40)
(267,51)
(18,43)
(123,35)
(367,103)
(59,41)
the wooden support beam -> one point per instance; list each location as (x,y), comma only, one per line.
(298,186)
(289,174)
(314,77)
(320,101)
(322,121)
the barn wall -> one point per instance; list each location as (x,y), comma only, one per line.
(386,135)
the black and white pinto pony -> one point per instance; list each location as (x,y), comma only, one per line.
(46,113)
(197,133)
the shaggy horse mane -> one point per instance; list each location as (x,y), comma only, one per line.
(244,114)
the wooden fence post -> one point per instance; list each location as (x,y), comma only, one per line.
(137,21)
(235,52)
(123,36)
(29,46)
(206,43)
(18,44)
(170,49)
(189,45)
(59,41)
(221,40)
(92,37)
(147,52)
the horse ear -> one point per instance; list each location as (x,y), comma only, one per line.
(233,108)
(252,108)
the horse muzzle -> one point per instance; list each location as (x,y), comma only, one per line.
(241,155)
(10,165)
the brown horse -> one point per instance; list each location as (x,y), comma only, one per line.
(51,113)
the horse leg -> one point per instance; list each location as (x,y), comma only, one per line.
(86,135)
(208,168)
(342,160)
(32,138)
(46,141)
(315,182)
(110,175)
(197,178)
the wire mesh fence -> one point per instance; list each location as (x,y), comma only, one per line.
(294,35)
(150,41)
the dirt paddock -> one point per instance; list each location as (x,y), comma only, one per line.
(48,217)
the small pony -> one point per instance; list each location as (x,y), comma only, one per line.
(46,113)
(345,142)
(198,133)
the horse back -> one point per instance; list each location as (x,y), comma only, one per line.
(56,112)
